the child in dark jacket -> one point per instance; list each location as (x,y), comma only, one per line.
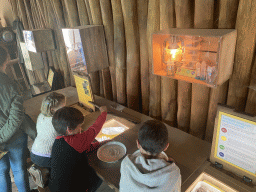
(70,170)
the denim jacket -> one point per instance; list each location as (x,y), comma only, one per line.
(11,111)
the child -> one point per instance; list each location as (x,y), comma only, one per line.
(70,170)
(148,169)
(46,134)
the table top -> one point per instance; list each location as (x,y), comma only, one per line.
(188,151)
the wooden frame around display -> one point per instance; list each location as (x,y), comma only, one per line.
(223,110)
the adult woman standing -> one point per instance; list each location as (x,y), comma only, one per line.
(12,137)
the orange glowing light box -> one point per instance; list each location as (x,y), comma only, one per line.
(202,56)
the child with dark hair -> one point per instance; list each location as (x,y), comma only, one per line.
(149,169)
(70,170)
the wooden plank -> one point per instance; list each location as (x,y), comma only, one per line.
(105,83)
(107,19)
(21,8)
(88,11)
(184,19)
(155,81)
(240,80)
(82,12)
(132,54)
(168,85)
(227,20)
(251,99)
(72,13)
(62,58)
(14,8)
(227,14)
(204,10)
(142,9)
(119,49)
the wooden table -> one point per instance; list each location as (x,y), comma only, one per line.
(188,151)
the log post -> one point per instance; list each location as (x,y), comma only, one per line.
(168,85)
(142,9)
(251,99)
(14,8)
(132,54)
(245,44)
(153,25)
(62,58)
(204,10)
(105,77)
(82,12)
(119,49)
(227,20)
(72,13)
(184,19)
(107,19)
(88,11)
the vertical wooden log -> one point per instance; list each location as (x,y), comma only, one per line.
(251,99)
(73,19)
(107,19)
(95,79)
(132,54)
(88,11)
(82,12)
(155,81)
(57,9)
(37,24)
(184,19)
(21,8)
(119,49)
(105,83)
(142,9)
(239,82)
(14,8)
(168,85)
(227,20)
(204,10)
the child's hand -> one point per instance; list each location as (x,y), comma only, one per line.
(103,109)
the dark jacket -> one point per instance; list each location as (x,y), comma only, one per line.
(70,170)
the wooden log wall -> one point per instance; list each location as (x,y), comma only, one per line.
(128,29)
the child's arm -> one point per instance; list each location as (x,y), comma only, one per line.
(82,142)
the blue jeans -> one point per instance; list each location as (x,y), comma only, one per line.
(40,161)
(16,159)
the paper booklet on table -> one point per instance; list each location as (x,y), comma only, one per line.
(232,165)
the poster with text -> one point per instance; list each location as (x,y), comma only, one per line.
(236,142)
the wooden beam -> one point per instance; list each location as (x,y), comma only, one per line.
(204,10)
(184,19)
(119,49)
(132,54)
(105,77)
(240,80)
(142,9)
(227,20)
(82,12)
(168,85)
(107,19)
(155,81)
